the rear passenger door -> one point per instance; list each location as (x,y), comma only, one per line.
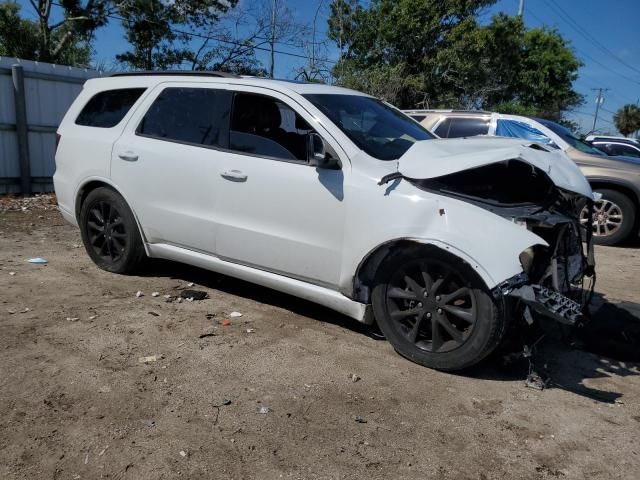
(166,163)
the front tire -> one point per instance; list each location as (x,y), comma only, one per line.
(435,310)
(110,232)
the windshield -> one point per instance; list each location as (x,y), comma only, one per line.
(570,138)
(375,127)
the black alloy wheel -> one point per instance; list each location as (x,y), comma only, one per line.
(110,232)
(434,308)
(107,233)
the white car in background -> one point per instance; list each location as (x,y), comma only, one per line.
(330,195)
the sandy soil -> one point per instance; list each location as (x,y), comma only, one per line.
(77,403)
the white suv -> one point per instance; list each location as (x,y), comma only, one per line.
(330,195)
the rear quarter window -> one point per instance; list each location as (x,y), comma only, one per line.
(468,127)
(106,109)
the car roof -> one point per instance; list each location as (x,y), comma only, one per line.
(611,139)
(147,79)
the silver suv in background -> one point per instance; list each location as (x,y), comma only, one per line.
(616,178)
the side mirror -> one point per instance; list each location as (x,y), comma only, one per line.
(318,154)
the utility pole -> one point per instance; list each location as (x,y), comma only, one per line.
(273,36)
(521,9)
(599,101)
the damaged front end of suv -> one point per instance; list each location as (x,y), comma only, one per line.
(521,183)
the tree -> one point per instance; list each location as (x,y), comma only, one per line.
(65,41)
(449,60)
(18,37)
(231,44)
(627,119)
(159,30)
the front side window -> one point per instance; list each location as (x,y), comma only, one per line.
(515,129)
(197,116)
(468,127)
(106,109)
(265,126)
(378,129)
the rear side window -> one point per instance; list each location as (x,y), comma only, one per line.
(468,127)
(442,130)
(514,129)
(191,115)
(106,109)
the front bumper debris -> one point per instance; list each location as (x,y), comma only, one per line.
(550,303)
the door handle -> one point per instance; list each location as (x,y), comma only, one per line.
(128,156)
(234,175)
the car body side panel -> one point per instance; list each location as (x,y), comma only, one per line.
(378,214)
(85,152)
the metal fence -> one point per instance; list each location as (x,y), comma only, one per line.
(34,96)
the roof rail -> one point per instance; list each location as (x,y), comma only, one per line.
(190,73)
(444,110)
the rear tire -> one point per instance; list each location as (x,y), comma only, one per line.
(435,310)
(614,218)
(110,232)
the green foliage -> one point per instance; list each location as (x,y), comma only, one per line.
(18,37)
(151,29)
(627,119)
(64,42)
(449,60)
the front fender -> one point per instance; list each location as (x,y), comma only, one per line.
(489,243)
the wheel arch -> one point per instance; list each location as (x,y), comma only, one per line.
(365,276)
(91,184)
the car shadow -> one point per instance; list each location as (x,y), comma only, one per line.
(608,345)
(257,293)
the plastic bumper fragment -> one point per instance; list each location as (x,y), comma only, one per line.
(550,303)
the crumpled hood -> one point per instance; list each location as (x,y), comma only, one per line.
(436,158)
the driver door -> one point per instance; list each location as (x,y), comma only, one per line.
(274,211)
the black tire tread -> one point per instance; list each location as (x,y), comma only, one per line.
(448,361)
(135,256)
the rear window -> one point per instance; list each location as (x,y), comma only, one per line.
(197,116)
(106,109)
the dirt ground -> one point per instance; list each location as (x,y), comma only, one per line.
(76,402)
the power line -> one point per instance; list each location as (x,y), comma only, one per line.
(584,54)
(589,115)
(582,31)
(221,40)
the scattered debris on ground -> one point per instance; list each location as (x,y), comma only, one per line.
(149,359)
(45,201)
(191,295)
(38,261)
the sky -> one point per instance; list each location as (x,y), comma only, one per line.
(604,34)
